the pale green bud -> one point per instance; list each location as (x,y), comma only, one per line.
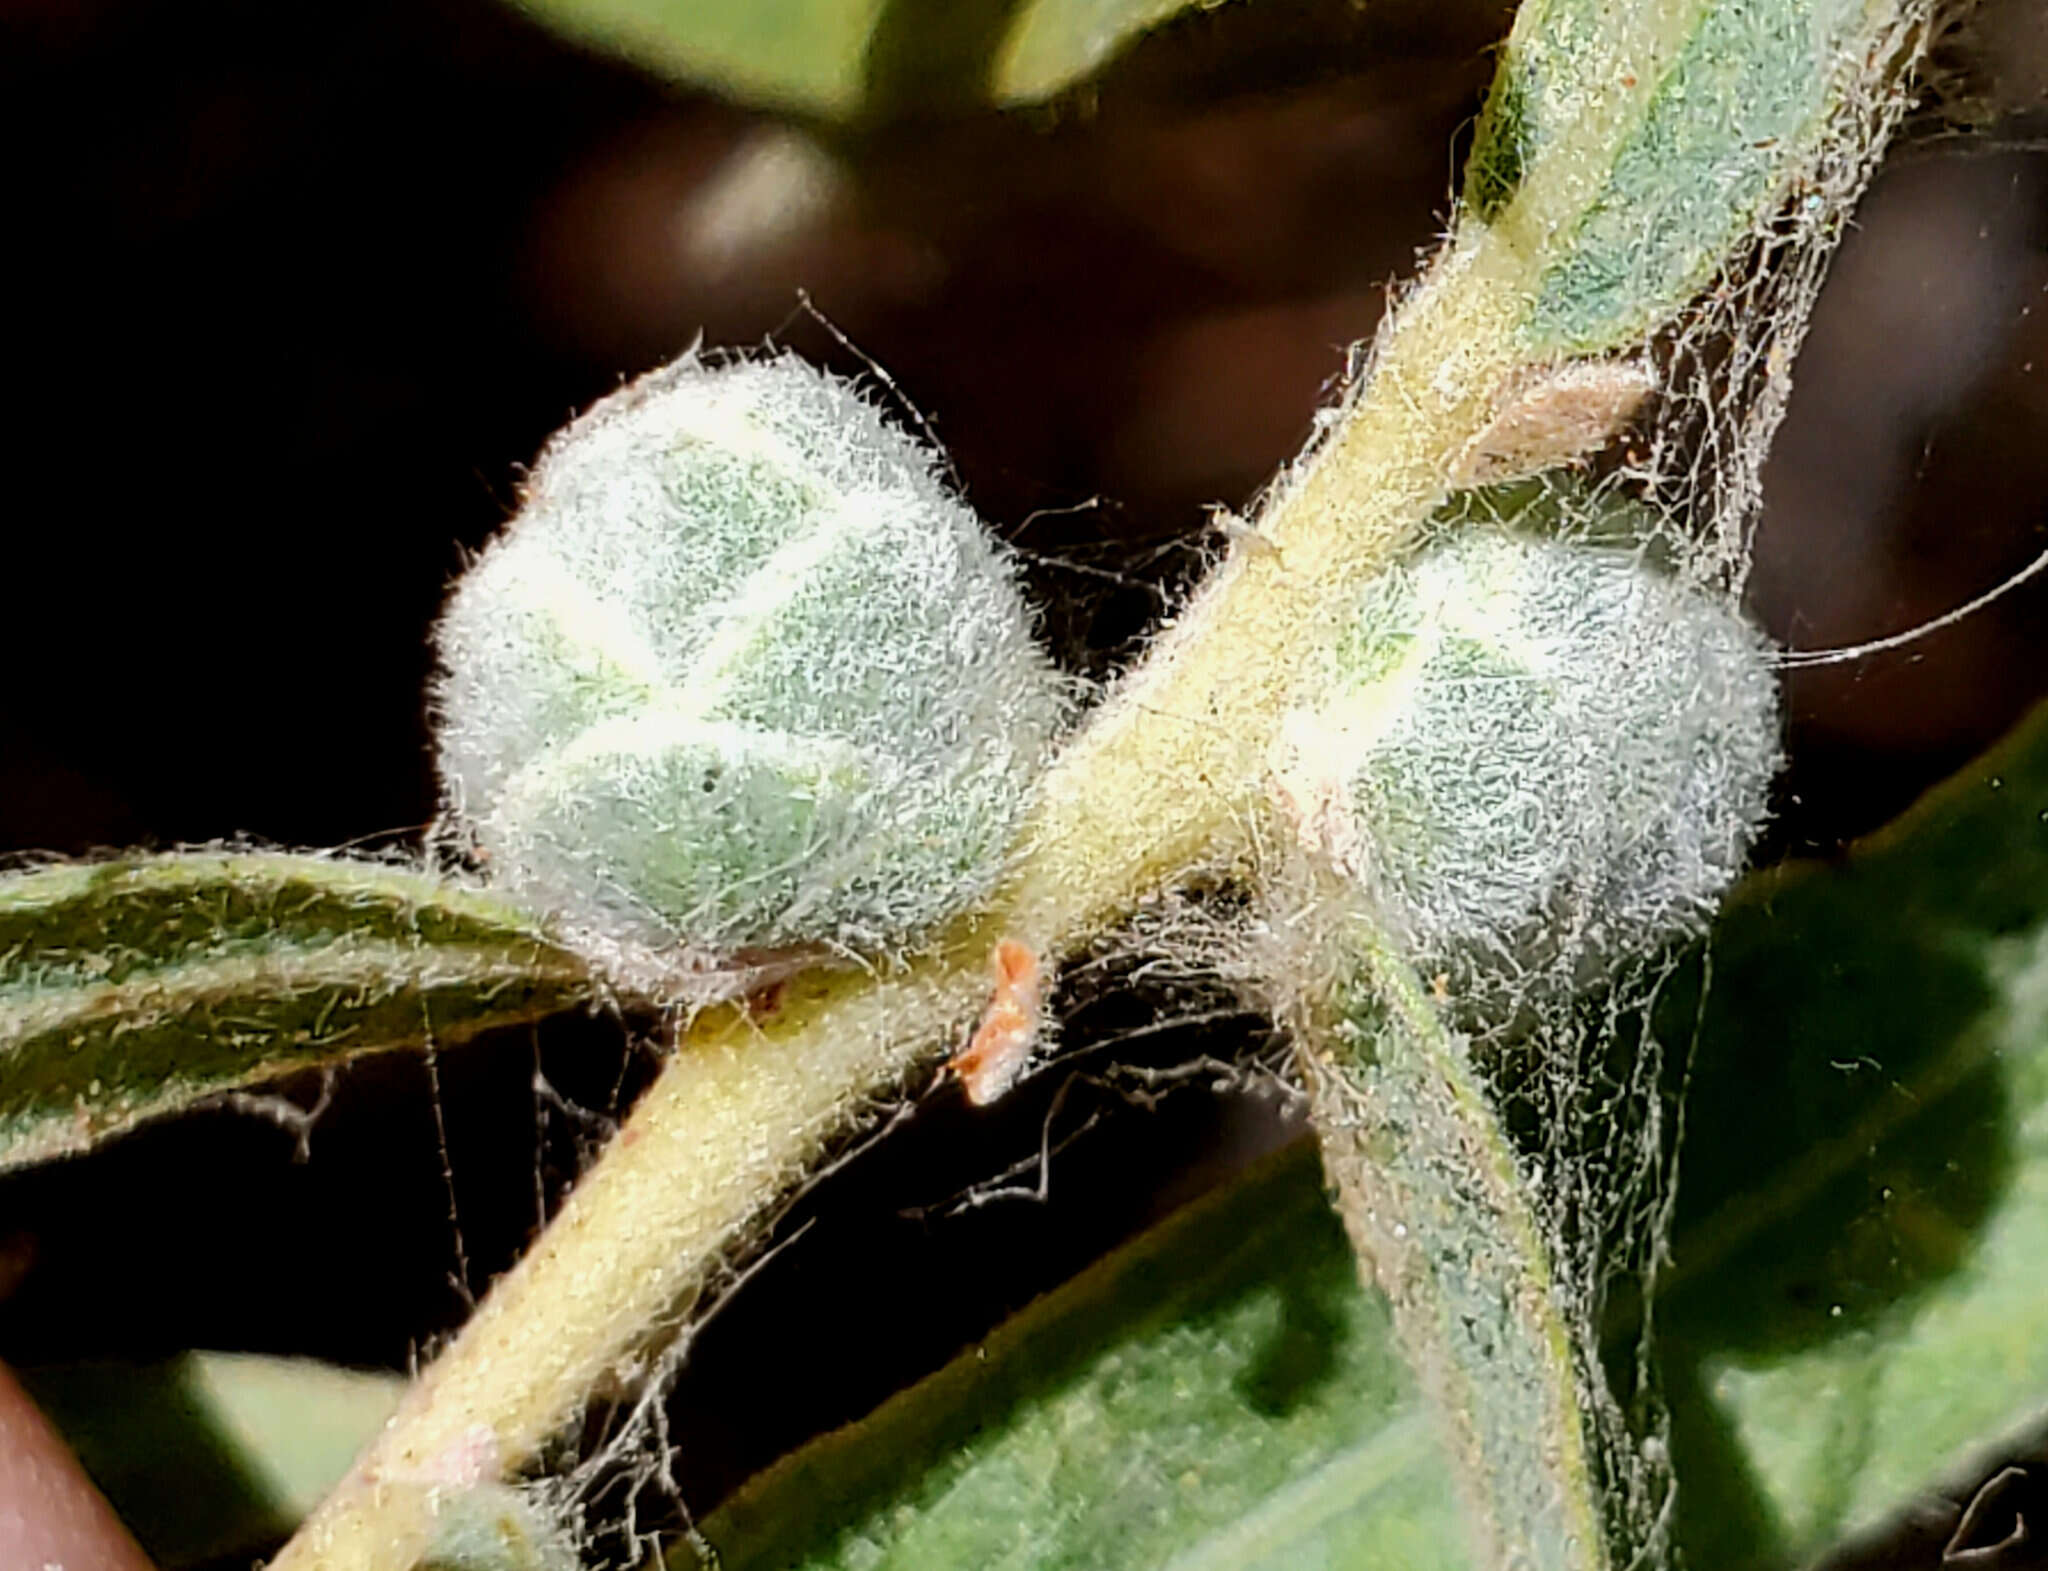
(1529,749)
(742,679)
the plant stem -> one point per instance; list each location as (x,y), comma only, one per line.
(1166,778)
(735,1119)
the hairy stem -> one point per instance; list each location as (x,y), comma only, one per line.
(1164,779)
(1693,113)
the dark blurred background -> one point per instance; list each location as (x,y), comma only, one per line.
(298,290)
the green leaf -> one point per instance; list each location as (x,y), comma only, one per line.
(864,59)
(803,55)
(1636,146)
(213,1454)
(1433,1197)
(1056,43)
(1858,1294)
(135,987)
(1221,1395)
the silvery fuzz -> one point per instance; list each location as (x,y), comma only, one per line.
(742,681)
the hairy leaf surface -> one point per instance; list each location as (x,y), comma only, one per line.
(1654,163)
(135,987)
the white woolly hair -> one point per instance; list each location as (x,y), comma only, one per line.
(1530,749)
(742,680)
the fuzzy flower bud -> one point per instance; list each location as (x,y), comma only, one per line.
(743,680)
(1531,750)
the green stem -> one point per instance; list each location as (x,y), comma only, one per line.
(1166,778)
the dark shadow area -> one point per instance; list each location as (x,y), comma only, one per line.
(1303,1351)
(207,1232)
(124,1421)
(930,57)
(1847,1123)
(1723,1520)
